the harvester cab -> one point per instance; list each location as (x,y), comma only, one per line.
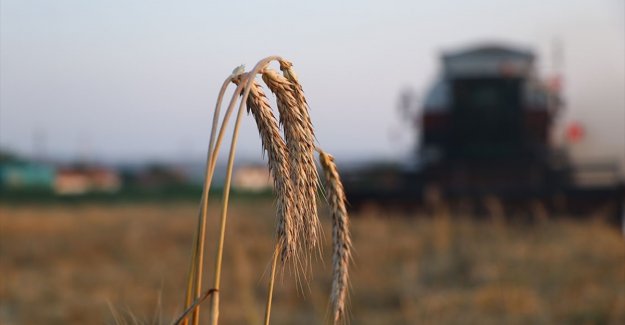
(487,120)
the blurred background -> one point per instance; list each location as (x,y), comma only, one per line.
(482,146)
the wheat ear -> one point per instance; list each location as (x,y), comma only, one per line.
(300,143)
(341,241)
(289,73)
(275,147)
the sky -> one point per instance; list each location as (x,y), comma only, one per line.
(133,81)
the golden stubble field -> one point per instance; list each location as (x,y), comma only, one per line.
(108,264)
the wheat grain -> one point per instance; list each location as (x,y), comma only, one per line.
(300,144)
(341,241)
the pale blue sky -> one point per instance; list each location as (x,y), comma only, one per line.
(129,80)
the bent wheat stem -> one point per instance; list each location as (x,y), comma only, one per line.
(185,314)
(194,280)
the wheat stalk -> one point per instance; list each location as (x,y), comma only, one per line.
(214,301)
(295,177)
(300,143)
(194,277)
(341,241)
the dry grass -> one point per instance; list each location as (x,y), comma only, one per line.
(63,264)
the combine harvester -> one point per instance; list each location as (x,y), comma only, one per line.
(486,139)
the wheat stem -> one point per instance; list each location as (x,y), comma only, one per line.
(272,279)
(195,271)
(194,279)
(214,306)
(185,314)
(214,309)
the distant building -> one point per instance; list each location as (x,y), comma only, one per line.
(253,178)
(81,180)
(156,176)
(26,175)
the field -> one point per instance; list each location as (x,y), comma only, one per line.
(126,263)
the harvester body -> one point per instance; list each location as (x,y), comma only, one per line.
(486,131)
